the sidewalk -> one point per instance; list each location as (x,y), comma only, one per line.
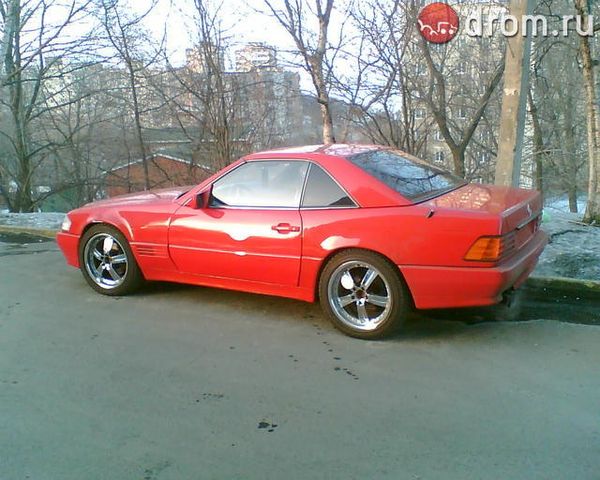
(45,224)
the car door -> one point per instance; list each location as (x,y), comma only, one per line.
(251,228)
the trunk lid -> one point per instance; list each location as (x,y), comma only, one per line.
(519,210)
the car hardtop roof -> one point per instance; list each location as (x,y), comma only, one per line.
(312,151)
(340,150)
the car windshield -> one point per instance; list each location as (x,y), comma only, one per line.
(413,178)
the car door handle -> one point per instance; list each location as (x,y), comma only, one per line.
(285,228)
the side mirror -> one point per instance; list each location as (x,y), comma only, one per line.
(202,199)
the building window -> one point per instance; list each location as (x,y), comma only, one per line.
(439,156)
(462,68)
(438,136)
(419,113)
(461,112)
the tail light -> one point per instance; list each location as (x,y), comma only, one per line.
(491,248)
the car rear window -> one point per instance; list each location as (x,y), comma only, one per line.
(414,179)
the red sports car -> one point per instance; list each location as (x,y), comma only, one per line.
(370,231)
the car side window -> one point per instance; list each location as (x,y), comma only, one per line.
(322,191)
(261,184)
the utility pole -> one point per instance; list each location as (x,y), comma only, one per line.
(514,98)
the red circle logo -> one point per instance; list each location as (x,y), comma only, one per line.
(438,22)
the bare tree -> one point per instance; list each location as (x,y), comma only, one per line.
(457,136)
(539,148)
(83,133)
(224,113)
(376,82)
(31,49)
(124,33)
(592,211)
(207,101)
(557,110)
(311,46)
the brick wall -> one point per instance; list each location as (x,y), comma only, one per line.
(163,171)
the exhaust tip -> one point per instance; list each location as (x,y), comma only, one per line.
(508,297)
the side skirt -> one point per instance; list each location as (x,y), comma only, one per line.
(297,293)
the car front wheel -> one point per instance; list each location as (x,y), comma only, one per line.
(107,262)
(363,294)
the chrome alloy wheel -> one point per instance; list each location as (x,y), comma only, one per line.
(359,295)
(105,261)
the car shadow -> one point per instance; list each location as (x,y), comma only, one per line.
(266,305)
(428,325)
(422,323)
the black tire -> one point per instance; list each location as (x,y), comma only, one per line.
(365,316)
(112,276)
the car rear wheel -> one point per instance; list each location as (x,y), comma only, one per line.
(363,294)
(107,262)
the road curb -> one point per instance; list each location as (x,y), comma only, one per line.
(40,232)
(575,286)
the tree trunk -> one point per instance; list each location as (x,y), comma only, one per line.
(291,18)
(592,211)
(23,201)
(328,136)
(570,179)
(138,125)
(572,193)
(458,160)
(513,111)
(538,144)
(4,193)
(318,79)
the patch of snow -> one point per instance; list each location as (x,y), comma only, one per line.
(574,248)
(41,220)
(561,204)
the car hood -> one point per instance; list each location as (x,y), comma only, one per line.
(149,196)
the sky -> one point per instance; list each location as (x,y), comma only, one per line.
(241,21)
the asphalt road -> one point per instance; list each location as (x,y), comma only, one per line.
(182,382)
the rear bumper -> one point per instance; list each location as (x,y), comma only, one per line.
(69,245)
(447,287)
